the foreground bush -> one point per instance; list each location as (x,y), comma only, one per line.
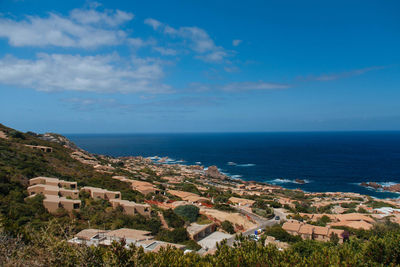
(49,247)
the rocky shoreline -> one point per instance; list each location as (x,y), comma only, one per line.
(392,188)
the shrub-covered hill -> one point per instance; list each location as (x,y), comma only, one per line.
(19,163)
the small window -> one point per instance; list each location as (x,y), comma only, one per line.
(116,195)
(76,206)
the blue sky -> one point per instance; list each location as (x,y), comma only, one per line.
(199,66)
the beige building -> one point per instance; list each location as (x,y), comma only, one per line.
(45,189)
(53,203)
(42,148)
(241,201)
(188,196)
(198,231)
(141,186)
(132,208)
(101,193)
(308,231)
(138,238)
(53,181)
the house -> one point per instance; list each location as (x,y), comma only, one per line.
(141,186)
(42,148)
(188,196)
(131,207)
(308,231)
(101,193)
(53,181)
(134,237)
(89,237)
(292,227)
(198,231)
(241,201)
(45,189)
(53,203)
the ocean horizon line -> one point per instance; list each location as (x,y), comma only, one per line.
(239,132)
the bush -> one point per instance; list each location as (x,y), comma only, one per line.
(280,234)
(224,207)
(172,219)
(228,227)
(177,235)
(188,212)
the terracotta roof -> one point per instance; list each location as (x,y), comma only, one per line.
(319,230)
(129,234)
(291,226)
(306,229)
(87,234)
(241,200)
(354,224)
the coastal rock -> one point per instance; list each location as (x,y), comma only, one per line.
(371,184)
(393,188)
(299,181)
(213,172)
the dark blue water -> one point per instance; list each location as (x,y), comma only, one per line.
(335,161)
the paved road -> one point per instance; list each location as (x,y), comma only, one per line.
(261,222)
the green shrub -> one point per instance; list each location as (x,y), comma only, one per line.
(187,212)
(228,227)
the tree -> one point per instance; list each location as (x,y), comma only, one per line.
(187,212)
(334,238)
(173,220)
(228,227)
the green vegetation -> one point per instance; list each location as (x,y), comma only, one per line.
(224,207)
(187,212)
(177,235)
(228,227)
(173,220)
(321,221)
(280,234)
(378,204)
(202,219)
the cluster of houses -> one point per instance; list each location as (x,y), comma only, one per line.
(308,231)
(352,220)
(134,237)
(64,194)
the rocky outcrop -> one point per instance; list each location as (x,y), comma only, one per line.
(393,188)
(376,186)
(57,138)
(213,172)
(371,184)
(299,181)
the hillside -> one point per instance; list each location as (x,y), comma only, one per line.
(31,235)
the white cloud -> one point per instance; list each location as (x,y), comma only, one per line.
(236,42)
(237,86)
(337,76)
(165,51)
(197,39)
(100,74)
(85,28)
(253,86)
(153,23)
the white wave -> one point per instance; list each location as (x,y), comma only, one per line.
(198,162)
(231,163)
(287,181)
(246,165)
(236,176)
(384,184)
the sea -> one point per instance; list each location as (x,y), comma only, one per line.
(326,161)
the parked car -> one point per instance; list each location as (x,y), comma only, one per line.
(277,218)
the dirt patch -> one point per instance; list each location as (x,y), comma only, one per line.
(3,135)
